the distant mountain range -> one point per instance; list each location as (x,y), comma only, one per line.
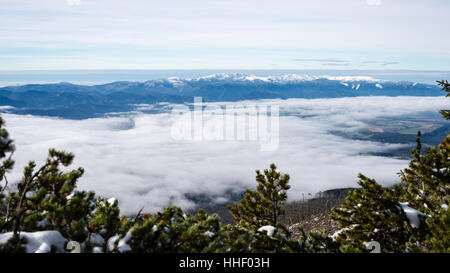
(80,101)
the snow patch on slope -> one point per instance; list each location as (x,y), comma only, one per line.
(412,214)
(269,230)
(39,241)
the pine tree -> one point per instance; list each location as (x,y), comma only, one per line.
(103,223)
(439,232)
(232,239)
(370,214)
(376,213)
(6,147)
(426,183)
(172,231)
(425,186)
(265,205)
(316,242)
(45,200)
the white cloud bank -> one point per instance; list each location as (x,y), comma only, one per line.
(135,160)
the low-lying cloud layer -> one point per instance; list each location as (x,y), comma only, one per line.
(134,158)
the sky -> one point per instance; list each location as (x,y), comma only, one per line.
(134,158)
(232,34)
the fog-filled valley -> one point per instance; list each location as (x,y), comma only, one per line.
(323,144)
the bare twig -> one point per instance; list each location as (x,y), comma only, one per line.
(138,214)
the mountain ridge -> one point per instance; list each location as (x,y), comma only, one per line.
(70,100)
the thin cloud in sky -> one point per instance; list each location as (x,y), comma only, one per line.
(373,2)
(73,2)
(321,60)
(325,62)
(336,64)
(389,63)
(381,63)
(109,34)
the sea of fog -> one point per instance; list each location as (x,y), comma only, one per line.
(135,158)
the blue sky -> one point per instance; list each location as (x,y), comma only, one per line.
(200,34)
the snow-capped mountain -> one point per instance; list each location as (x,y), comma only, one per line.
(240,78)
(284,79)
